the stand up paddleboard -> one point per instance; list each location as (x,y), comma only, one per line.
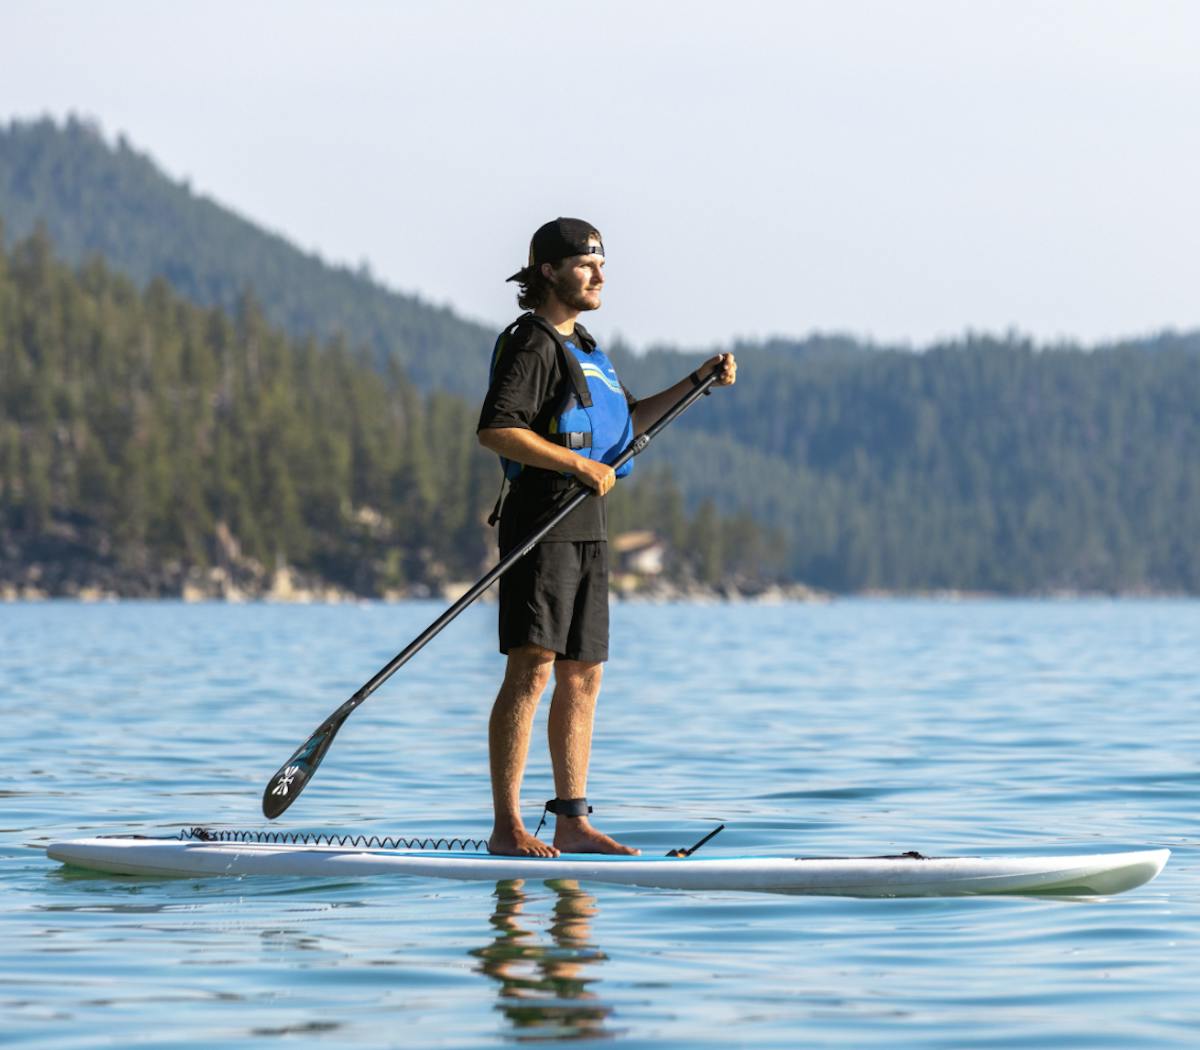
(907,875)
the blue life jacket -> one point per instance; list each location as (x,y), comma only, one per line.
(593,417)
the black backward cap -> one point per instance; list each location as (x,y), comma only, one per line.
(559,240)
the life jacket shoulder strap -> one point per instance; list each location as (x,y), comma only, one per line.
(569,361)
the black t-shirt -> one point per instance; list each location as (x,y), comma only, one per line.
(528,384)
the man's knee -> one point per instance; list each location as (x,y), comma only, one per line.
(581,676)
(529,668)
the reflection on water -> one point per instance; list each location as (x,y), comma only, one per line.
(543,983)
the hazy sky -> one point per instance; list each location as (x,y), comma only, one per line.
(902,170)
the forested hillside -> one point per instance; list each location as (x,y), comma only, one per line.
(148,445)
(112,201)
(983,464)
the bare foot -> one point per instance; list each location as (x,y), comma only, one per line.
(517,842)
(576,835)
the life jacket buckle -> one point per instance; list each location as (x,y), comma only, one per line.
(574,439)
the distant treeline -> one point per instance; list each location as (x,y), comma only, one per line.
(142,436)
(982,464)
(986,464)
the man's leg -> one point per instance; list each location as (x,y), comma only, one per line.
(525,678)
(572,712)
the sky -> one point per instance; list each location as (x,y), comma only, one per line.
(899,171)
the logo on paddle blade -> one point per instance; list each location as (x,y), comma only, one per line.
(285,780)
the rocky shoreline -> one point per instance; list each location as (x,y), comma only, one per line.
(171,582)
(97,582)
(287,586)
(72,559)
(330,595)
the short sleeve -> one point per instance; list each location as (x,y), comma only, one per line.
(521,383)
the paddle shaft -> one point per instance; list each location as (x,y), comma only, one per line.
(293,775)
(568,504)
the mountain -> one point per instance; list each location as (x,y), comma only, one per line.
(97,198)
(150,446)
(977,464)
(984,464)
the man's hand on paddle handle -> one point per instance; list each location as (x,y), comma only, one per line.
(599,476)
(725,365)
(594,474)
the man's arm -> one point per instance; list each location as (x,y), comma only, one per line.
(532,450)
(525,376)
(650,409)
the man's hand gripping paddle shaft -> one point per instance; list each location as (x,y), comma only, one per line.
(293,776)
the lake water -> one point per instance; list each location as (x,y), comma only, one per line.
(858,727)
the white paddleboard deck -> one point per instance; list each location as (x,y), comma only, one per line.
(1080,875)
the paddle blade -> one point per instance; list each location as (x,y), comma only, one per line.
(294,775)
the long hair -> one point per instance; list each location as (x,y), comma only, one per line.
(534,290)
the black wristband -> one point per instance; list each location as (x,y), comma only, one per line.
(695,378)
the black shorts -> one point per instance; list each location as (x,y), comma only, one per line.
(557,597)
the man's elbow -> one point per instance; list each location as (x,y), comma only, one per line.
(498,439)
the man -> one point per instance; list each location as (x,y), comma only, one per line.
(555,412)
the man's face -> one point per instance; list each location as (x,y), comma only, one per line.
(577,281)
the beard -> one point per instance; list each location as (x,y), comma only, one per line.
(575,297)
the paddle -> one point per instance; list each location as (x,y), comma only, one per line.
(294,775)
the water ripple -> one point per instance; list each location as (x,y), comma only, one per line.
(860,727)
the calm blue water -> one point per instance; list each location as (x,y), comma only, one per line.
(858,727)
